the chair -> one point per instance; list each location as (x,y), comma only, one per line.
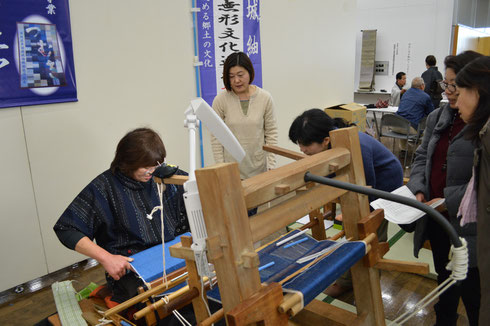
(420,132)
(390,121)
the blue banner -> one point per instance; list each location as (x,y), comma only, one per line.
(224,27)
(36,54)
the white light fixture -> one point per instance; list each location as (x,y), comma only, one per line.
(200,110)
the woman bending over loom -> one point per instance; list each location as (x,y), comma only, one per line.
(112,209)
(383,171)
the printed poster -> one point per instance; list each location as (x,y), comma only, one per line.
(224,27)
(36,55)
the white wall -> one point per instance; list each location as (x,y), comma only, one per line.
(424,26)
(134,68)
(308,53)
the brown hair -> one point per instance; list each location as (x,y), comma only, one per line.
(476,76)
(457,62)
(139,148)
(237,59)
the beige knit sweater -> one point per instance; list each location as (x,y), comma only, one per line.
(253,130)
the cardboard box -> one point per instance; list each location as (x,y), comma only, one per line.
(351,112)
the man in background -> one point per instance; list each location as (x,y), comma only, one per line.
(397,91)
(432,76)
(414,106)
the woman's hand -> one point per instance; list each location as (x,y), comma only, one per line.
(117,265)
(420,197)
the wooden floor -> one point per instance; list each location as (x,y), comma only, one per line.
(32,306)
(403,290)
(399,291)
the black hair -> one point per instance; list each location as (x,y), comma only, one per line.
(312,126)
(430,60)
(139,148)
(400,75)
(237,59)
(476,75)
(457,62)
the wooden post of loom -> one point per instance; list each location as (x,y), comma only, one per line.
(318,230)
(194,281)
(230,246)
(367,290)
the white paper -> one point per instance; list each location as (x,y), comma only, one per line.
(400,213)
(306,219)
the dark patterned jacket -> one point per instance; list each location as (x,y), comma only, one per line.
(459,167)
(113,210)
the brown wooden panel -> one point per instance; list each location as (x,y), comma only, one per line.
(194,282)
(403,266)
(261,188)
(226,219)
(173,180)
(369,225)
(354,207)
(260,308)
(321,313)
(289,211)
(284,152)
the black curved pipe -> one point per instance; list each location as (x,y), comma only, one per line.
(435,215)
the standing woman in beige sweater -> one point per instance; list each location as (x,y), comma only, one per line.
(248,111)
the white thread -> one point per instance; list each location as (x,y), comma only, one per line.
(201,260)
(160,196)
(202,295)
(177,314)
(291,237)
(104,321)
(318,254)
(150,216)
(458,264)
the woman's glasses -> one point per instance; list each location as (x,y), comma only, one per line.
(152,169)
(449,87)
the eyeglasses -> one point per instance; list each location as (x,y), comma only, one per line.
(445,86)
(152,169)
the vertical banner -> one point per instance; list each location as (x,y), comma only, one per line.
(225,27)
(36,55)
(368,55)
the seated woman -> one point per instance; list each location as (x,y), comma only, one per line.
(112,209)
(383,171)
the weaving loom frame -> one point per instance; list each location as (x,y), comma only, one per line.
(231,234)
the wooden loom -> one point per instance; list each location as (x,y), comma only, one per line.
(231,234)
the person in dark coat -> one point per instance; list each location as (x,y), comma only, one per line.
(474,107)
(432,76)
(113,210)
(442,169)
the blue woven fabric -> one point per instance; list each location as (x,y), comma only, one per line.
(315,279)
(148,263)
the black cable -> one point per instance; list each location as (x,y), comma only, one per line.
(435,215)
